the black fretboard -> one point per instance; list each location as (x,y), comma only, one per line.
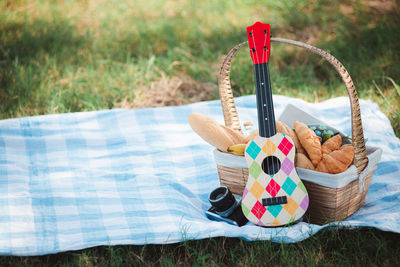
(265,106)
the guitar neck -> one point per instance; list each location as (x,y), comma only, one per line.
(265,106)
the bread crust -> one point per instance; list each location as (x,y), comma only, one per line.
(310,142)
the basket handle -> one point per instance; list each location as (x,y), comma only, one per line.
(231,115)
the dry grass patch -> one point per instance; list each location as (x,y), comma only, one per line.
(170,91)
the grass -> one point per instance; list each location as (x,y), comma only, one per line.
(69,56)
(360,247)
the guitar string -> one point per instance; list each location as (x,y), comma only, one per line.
(264,91)
(271,108)
(256,69)
(258,76)
(265,115)
(272,111)
(262,102)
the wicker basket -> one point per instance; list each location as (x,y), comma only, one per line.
(327,204)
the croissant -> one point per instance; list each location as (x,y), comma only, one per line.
(337,161)
(285,129)
(310,142)
(302,161)
(331,144)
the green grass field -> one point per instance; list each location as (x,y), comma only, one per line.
(362,247)
(69,56)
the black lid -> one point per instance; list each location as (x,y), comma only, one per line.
(221,198)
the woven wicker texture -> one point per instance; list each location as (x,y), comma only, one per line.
(326,204)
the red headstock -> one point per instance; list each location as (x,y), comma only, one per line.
(259,42)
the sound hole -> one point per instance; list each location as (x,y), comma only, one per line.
(271,165)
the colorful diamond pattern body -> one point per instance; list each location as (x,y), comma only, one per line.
(289,186)
(287,166)
(273,188)
(291,206)
(255,170)
(253,150)
(285,146)
(283,183)
(256,189)
(276,223)
(245,192)
(258,210)
(245,210)
(304,203)
(302,187)
(269,148)
(274,210)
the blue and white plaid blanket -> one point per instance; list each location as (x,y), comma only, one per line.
(72,181)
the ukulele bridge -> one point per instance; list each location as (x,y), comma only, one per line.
(274,201)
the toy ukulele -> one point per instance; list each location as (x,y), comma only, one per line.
(274,194)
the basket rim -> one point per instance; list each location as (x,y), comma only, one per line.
(232,119)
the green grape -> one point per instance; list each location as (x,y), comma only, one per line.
(322,131)
(326,136)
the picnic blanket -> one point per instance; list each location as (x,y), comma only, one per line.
(112,177)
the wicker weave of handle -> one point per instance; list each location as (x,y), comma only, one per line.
(231,115)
